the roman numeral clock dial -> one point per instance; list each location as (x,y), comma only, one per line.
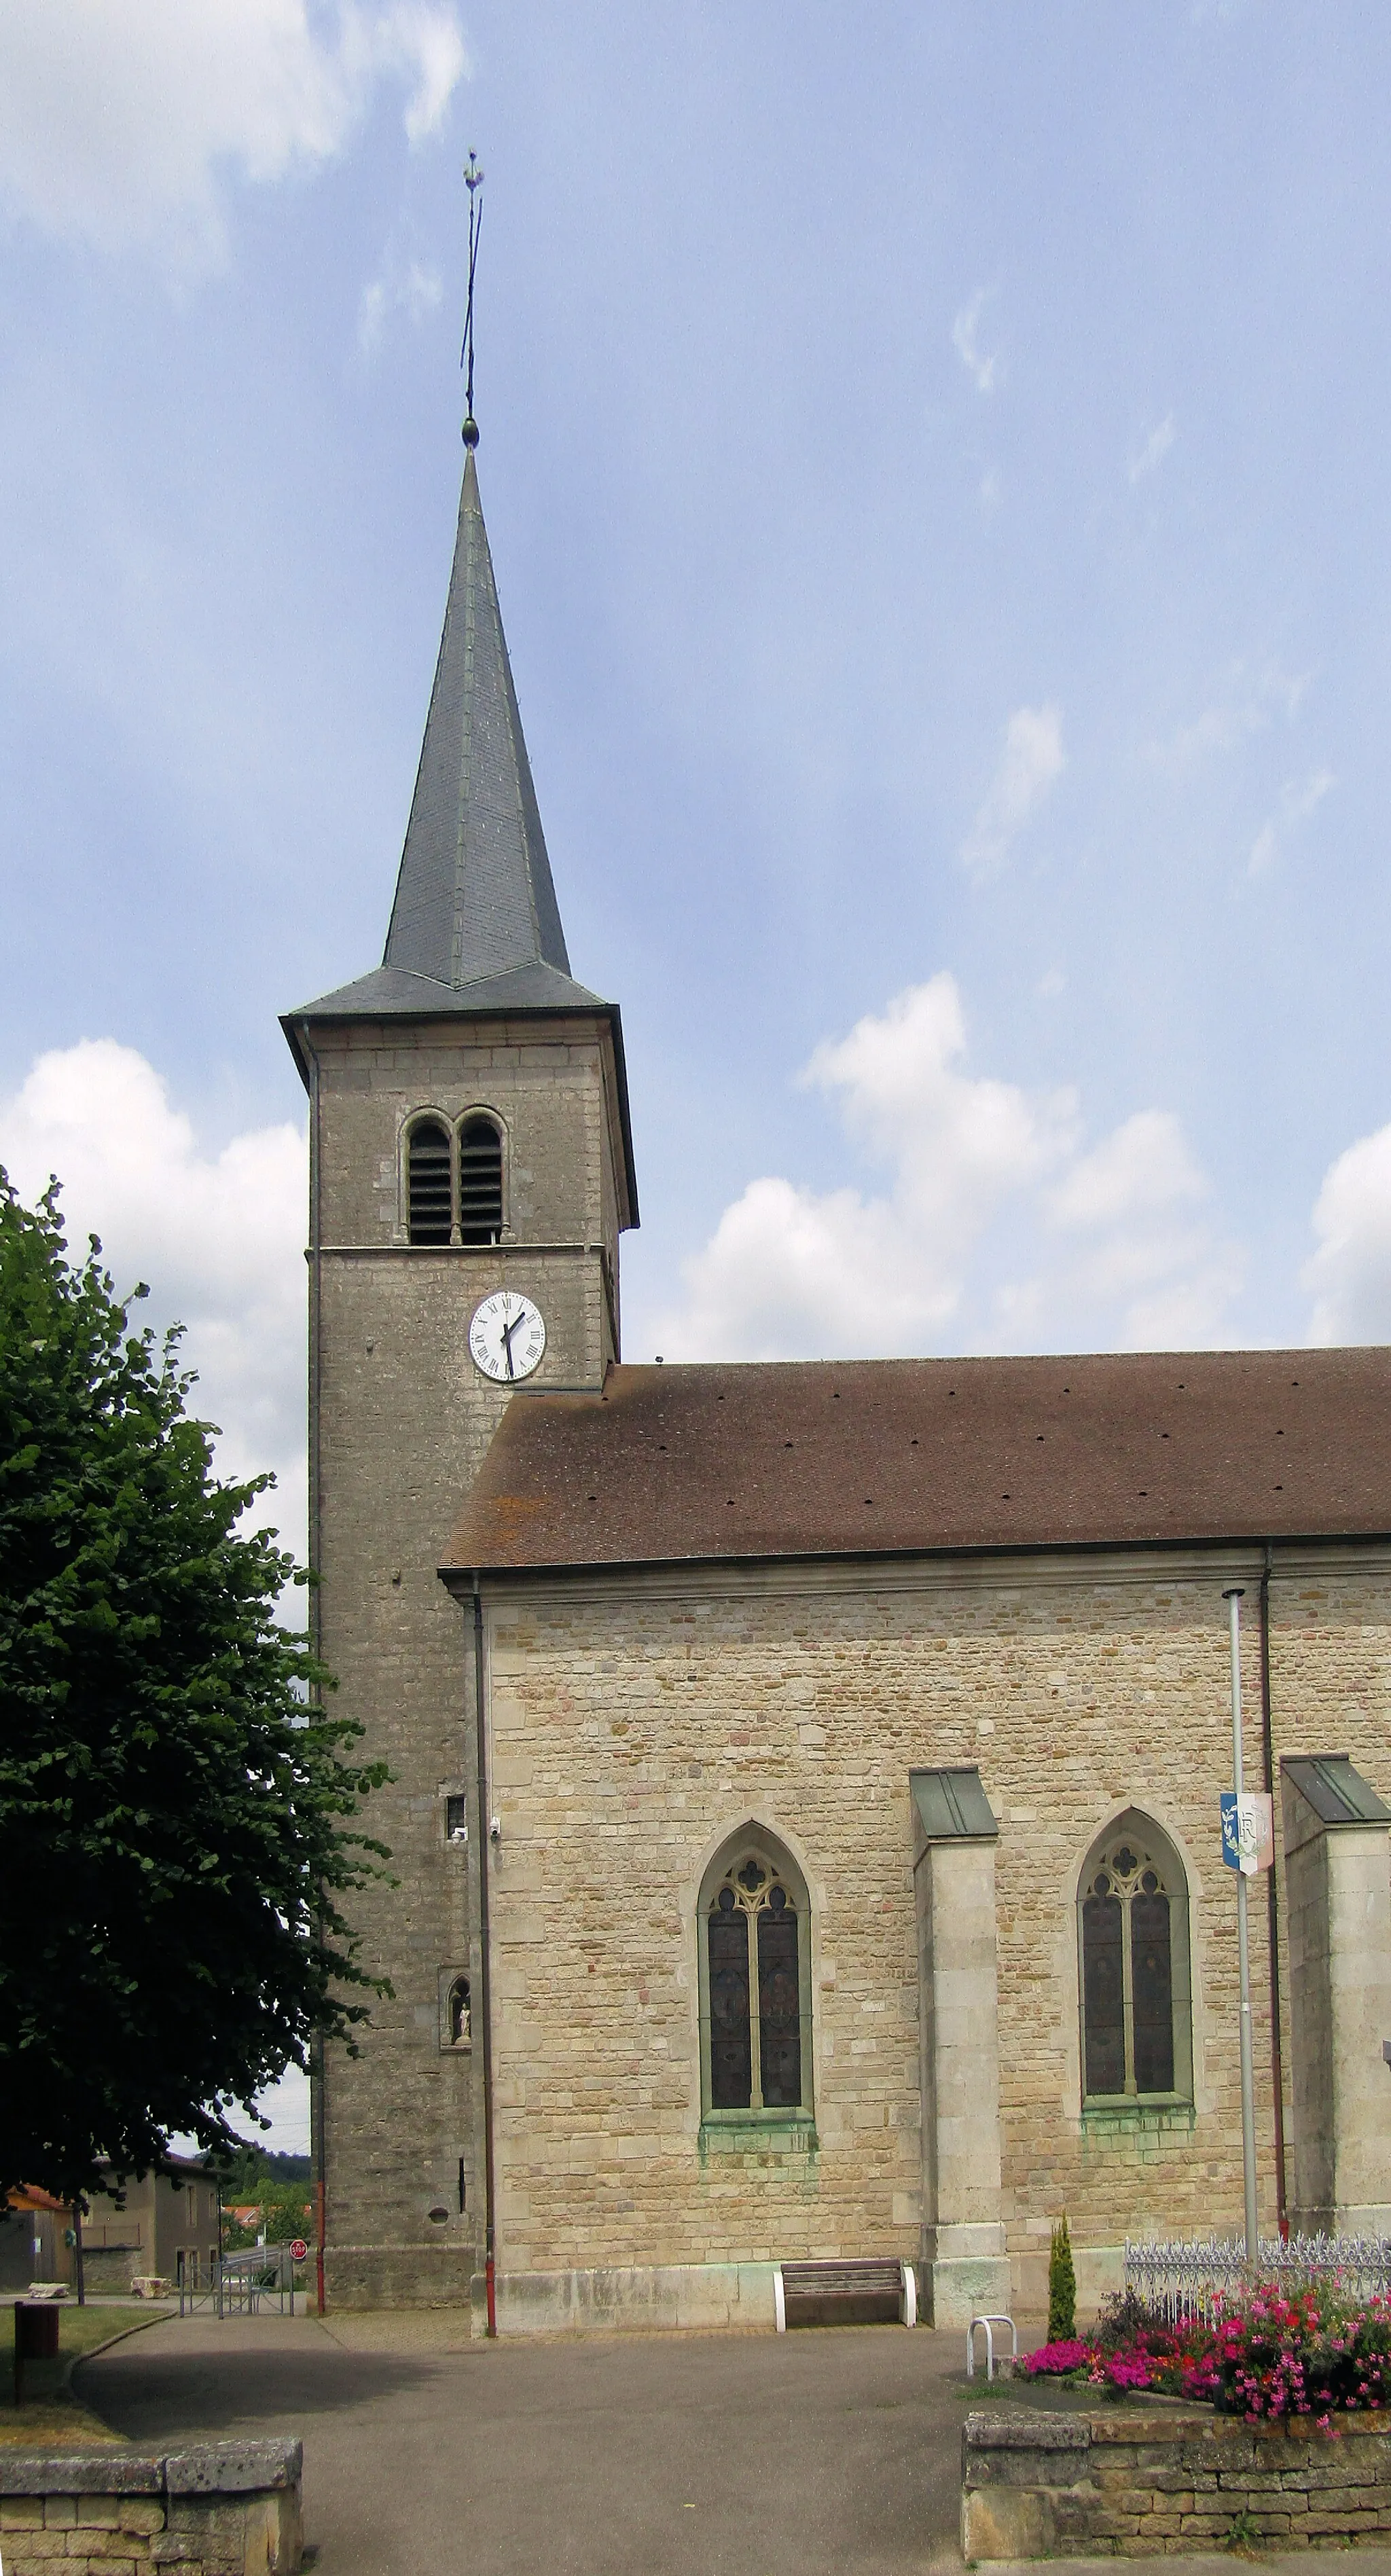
(507,1336)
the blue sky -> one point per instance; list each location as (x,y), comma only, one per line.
(935,462)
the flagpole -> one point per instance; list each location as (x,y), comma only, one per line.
(1233,1599)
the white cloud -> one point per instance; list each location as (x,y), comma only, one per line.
(1154,450)
(959,1143)
(1244,703)
(793,1270)
(407,287)
(218,1238)
(120,119)
(1350,1273)
(1130,1208)
(1298,800)
(985,373)
(790,1273)
(1111,1240)
(1143,1167)
(1030,765)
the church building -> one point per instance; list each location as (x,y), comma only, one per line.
(804,1808)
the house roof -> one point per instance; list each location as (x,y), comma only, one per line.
(893,1457)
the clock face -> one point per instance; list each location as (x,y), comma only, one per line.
(507,1336)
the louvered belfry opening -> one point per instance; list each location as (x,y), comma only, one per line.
(480,1182)
(428,1210)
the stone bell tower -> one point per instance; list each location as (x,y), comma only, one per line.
(469,1149)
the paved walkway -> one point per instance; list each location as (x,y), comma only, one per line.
(663,2455)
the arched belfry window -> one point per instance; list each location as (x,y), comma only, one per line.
(1132,1919)
(755,1937)
(429,1189)
(480,1182)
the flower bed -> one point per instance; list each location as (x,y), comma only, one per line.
(1279,2353)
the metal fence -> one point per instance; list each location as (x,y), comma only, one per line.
(242,2284)
(1187,2280)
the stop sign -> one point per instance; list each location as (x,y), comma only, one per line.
(299,2251)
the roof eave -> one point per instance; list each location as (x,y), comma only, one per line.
(461,1577)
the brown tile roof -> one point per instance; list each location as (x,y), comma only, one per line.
(831,1458)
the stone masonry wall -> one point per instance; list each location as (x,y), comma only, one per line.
(1150,2482)
(221,2509)
(636,1722)
(404,1420)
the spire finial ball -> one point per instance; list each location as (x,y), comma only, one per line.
(470,432)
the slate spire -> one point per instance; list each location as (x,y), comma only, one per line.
(474,897)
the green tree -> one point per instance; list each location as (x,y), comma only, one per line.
(1062,2286)
(176,1817)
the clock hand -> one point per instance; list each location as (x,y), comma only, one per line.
(507,1332)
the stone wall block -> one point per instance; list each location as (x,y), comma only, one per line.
(1001,2522)
(1113,2501)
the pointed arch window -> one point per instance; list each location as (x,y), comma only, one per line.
(1132,1925)
(460,2014)
(480,1182)
(429,1183)
(755,1978)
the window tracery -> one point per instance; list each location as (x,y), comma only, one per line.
(755,1932)
(1132,1922)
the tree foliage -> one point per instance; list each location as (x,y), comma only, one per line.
(1062,2285)
(176,1816)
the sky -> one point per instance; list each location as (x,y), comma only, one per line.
(934,456)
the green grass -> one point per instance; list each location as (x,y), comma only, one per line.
(51,2417)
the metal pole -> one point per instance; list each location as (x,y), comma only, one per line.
(1233,1599)
(485,1987)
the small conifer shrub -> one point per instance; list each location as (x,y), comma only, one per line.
(1062,2286)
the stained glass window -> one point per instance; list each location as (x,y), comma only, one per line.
(1131,1899)
(779,2003)
(1104,1981)
(1152,1978)
(731,2037)
(754,1958)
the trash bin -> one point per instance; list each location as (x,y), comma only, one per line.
(35,2337)
(36,2330)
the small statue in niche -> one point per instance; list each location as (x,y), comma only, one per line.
(460,2014)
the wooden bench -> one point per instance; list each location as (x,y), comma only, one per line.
(845,2294)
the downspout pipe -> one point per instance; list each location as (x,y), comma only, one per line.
(316,1630)
(1277,2053)
(485,1993)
